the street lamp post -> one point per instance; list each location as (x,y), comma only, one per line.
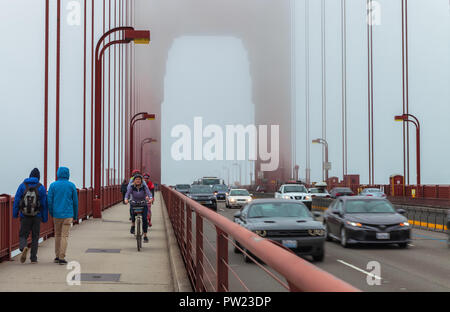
(415,121)
(128,35)
(134,120)
(240,172)
(145,141)
(324,170)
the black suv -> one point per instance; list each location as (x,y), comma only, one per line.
(204,195)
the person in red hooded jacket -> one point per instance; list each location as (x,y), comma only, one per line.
(151,187)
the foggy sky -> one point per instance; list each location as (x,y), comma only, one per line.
(22,90)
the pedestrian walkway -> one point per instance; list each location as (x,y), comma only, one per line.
(148,270)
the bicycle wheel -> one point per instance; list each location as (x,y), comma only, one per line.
(138,234)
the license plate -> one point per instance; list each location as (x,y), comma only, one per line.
(383,236)
(290,243)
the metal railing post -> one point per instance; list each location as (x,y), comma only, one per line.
(222,261)
(198,252)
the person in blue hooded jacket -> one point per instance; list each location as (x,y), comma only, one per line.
(62,202)
(32,222)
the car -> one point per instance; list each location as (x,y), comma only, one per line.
(238,198)
(204,195)
(221,191)
(372,192)
(366,220)
(183,188)
(448,229)
(319,192)
(285,222)
(341,191)
(296,192)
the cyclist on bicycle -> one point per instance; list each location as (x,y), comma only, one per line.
(139,191)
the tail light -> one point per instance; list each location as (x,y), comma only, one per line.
(313,196)
(338,194)
(369,195)
(328,196)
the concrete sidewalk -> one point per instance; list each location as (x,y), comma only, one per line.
(148,270)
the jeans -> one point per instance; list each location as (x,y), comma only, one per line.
(144,219)
(27,225)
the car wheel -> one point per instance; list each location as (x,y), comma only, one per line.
(403,245)
(319,257)
(246,257)
(237,250)
(344,237)
(328,237)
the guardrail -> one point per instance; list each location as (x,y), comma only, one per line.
(188,218)
(9,227)
(425,218)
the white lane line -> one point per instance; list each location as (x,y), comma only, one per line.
(360,270)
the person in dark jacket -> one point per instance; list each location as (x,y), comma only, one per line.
(30,223)
(63,207)
(123,189)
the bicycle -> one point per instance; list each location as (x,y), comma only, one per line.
(138,209)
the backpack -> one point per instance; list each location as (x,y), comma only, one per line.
(30,205)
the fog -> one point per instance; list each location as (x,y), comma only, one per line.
(208,70)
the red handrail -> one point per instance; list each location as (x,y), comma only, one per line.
(300,274)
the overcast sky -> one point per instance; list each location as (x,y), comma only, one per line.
(196,66)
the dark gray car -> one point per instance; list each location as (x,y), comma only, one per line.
(183,188)
(285,222)
(204,195)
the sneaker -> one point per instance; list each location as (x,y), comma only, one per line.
(145,239)
(23,256)
(34,261)
(62,261)
(132,229)
(56,260)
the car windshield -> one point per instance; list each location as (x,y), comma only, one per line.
(279,210)
(210,181)
(295,189)
(372,191)
(317,191)
(239,193)
(220,188)
(343,190)
(183,187)
(201,189)
(368,206)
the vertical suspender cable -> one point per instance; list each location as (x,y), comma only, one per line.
(47,17)
(308,162)
(324,86)
(92,92)
(293,89)
(108,180)
(344,87)
(84,96)
(58,67)
(369,100)
(103,101)
(407,81)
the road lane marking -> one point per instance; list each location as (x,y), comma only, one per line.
(431,238)
(360,270)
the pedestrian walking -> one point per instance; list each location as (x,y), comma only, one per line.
(30,202)
(63,207)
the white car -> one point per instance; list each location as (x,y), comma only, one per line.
(238,198)
(295,192)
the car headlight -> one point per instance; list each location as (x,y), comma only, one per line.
(307,197)
(287,197)
(405,224)
(316,232)
(261,233)
(249,199)
(354,224)
(232,200)
(226,194)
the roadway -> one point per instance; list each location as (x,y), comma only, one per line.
(424,266)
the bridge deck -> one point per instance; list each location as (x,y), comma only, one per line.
(148,270)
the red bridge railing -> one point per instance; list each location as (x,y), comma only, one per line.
(9,227)
(287,269)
